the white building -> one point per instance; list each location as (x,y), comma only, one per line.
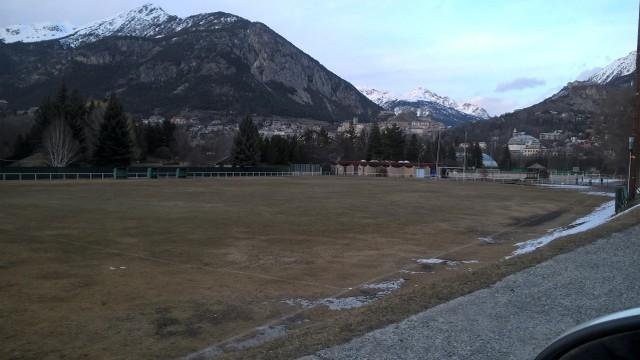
(523,145)
(551,136)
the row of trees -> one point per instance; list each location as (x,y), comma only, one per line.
(390,143)
(71,130)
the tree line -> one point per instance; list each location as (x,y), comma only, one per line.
(68,129)
(315,146)
(71,130)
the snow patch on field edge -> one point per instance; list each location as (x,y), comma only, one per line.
(600,215)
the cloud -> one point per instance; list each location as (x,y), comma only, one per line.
(586,74)
(520,84)
(495,105)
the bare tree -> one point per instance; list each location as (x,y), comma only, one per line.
(60,146)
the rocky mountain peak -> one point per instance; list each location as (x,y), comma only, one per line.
(146,20)
(618,68)
(379,97)
(422,94)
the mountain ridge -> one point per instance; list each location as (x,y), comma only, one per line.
(616,69)
(214,62)
(421,94)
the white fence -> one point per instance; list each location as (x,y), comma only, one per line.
(143,175)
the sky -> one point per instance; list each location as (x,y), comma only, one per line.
(499,54)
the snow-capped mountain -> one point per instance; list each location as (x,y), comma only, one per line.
(424,103)
(160,63)
(422,94)
(147,20)
(35,32)
(474,110)
(379,97)
(620,67)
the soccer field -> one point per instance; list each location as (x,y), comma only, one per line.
(163,269)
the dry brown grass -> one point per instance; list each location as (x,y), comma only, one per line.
(209,260)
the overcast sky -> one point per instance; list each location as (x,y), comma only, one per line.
(500,54)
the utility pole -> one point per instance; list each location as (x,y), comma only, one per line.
(634,140)
(464,161)
(438,157)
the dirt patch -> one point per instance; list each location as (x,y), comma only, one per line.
(536,220)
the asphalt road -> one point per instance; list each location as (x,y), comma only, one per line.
(520,315)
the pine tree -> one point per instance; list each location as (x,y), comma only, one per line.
(44,117)
(428,153)
(413,149)
(505,161)
(374,144)
(477,155)
(114,141)
(246,144)
(361,144)
(393,143)
(75,114)
(280,149)
(266,153)
(21,148)
(452,158)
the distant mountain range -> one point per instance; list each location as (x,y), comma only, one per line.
(161,63)
(427,103)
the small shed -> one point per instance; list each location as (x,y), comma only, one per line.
(537,171)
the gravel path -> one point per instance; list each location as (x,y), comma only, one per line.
(520,315)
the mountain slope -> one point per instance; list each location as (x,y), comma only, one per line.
(598,114)
(35,32)
(160,63)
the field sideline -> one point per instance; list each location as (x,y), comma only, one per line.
(162,269)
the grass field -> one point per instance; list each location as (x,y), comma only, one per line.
(161,269)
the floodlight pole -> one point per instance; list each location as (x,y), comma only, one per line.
(438,157)
(634,140)
(464,161)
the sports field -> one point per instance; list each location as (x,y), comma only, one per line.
(163,269)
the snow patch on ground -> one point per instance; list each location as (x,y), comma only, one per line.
(263,334)
(383,288)
(558,186)
(597,217)
(601,193)
(404,271)
(487,240)
(445,262)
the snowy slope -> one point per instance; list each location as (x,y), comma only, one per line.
(475,110)
(379,97)
(35,32)
(620,67)
(421,101)
(422,94)
(147,20)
